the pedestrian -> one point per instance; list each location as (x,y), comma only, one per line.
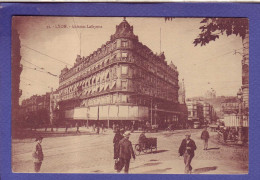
(205,138)
(77,126)
(98,128)
(225,135)
(118,136)
(125,152)
(186,150)
(102,128)
(122,131)
(66,126)
(46,126)
(114,127)
(94,127)
(37,154)
(147,126)
(142,140)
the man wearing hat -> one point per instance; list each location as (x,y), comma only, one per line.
(186,150)
(37,154)
(125,151)
(205,137)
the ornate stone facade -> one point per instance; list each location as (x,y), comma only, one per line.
(245,72)
(122,80)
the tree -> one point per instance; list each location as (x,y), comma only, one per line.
(213,27)
(211,30)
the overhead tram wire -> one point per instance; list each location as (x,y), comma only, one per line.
(28,84)
(33,82)
(46,55)
(32,64)
(41,71)
(47,72)
(39,67)
(176,50)
(216,57)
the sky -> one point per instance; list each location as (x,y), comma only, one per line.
(48,47)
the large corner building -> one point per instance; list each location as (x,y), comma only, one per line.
(122,81)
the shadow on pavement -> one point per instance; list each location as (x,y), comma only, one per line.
(205,169)
(213,148)
(157,171)
(147,164)
(158,151)
(152,164)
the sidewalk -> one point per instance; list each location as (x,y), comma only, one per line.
(28,133)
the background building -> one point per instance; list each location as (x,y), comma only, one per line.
(183,118)
(182,93)
(35,111)
(15,75)
(122,81)
(209,113)
(245,73)
(195,112)
(210,94)
(230,106)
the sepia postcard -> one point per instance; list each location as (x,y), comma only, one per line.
(137,95)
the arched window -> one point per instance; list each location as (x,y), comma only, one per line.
(107,75)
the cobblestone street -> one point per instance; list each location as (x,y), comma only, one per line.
(93,153)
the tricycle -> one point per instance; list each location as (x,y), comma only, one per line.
(149,144)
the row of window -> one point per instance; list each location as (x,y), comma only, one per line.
(107,99)
(82,69)
(140,73)
(104,51)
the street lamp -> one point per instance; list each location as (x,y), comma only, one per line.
(240,99)
(155,109)
(151,110)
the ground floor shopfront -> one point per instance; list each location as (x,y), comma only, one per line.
(122,115)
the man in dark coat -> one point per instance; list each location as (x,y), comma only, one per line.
(205,138)
(125,151)
(186,150)
(118,136)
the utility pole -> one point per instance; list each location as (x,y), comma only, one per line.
(80,44)
(51,109)
(240,115)
(160,41)
(151,110)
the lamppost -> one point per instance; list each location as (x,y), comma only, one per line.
(151,111)
(240,133)
(155,109)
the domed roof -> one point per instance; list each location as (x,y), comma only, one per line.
(124,30)
(124,27)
